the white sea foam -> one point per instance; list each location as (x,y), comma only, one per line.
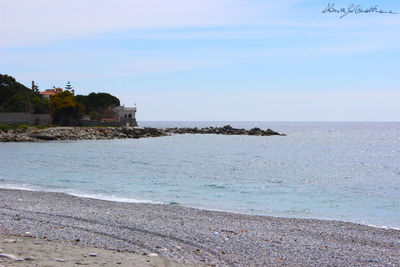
(114,198)
(19,187)
(381,226)
(78,194)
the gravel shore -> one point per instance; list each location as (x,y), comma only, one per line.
(195,236)
(32,251)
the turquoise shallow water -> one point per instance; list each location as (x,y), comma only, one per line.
(340,171)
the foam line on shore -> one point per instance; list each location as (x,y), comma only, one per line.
(79,194)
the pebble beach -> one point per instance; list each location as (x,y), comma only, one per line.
(32,251)
(177,234)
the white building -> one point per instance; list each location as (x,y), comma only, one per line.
(127,116)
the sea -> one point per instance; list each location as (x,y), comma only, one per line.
(347,171)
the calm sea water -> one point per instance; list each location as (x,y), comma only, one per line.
(340,171)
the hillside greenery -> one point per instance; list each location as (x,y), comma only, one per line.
(64,106)
(15,97)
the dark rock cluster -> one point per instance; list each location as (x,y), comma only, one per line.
(226,130)
(132,132)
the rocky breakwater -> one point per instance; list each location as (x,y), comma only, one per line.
(16,135)
(32,134)
(76,133)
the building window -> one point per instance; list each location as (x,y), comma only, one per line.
(130,116)
(126,116)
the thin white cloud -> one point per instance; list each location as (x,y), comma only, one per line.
(28,22)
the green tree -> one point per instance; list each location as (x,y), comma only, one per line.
(82,99)
(98,102)
(40,105)
(68,86)
(65,108)
(35,88)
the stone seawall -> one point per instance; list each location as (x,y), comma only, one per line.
(33,134)
(24,118)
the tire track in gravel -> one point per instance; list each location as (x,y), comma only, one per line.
(75,219)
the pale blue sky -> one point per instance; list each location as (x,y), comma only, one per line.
(212,59)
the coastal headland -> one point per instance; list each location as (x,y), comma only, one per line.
(192,236)
(32,134)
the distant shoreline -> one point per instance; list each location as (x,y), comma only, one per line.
(195,236)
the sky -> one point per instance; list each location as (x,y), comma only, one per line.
(212,60)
